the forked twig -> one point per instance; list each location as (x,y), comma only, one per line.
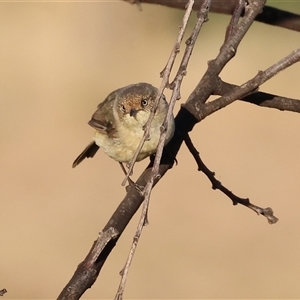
(249,86)
(217,185)
(209,82)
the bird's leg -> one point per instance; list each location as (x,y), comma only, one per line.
(130,181)
(125,172)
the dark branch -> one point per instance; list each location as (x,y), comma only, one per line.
(88,270)
(261,98)
(210,80)
(278,17)
(273,101)
(269,15)
(217,185)
(201,111)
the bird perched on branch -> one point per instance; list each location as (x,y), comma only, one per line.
(120,122)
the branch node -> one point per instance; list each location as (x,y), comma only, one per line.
(100,243)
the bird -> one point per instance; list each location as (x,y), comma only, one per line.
(120,121)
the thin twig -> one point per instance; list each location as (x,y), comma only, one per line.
(217,185)
(202,17)
(246,88)
(233,25)
(208,83)
(148,188)
(165,74)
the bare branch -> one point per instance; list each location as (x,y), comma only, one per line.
(192,112)
(280,18)
(84,278)
(269,15)
(217,185)
(238,11)
(261,98)
(202,111)
(273,101)
(104,238)
(209,82)
(190,42)
(87,271)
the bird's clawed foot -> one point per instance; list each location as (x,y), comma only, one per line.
(132,184)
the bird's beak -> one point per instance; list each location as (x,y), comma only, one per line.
(133,112)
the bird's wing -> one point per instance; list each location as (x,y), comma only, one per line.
(89,151)
(103,119)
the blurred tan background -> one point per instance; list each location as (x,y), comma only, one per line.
(58,61)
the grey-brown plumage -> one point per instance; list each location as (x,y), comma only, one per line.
(119,122)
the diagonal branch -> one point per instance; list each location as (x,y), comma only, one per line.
(209,82)
(261,98)
(86,273)
(273,101)
(217,185)
(201,111)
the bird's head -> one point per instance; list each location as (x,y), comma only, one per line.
(134,104)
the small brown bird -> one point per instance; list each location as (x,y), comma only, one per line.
(119,122)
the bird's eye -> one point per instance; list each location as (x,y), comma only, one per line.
(144,102)
(122,107)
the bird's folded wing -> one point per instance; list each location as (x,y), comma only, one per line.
(103,119)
